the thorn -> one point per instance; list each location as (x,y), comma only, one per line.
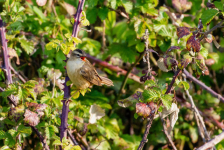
(86,30)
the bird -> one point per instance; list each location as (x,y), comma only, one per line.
(82,73)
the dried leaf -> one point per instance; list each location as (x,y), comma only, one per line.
(209,62)
(183,31)
(12,53)
(200,25)
(31,118)
(39,108)
(193,44)
(161,64)
(16,113)
(172,48)
(173,112)
(210,5)
(41,2)
(96,112)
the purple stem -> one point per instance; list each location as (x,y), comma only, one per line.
(6,63)
(65,109)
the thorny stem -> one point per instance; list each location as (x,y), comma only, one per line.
(6,63)
(173,81)
(9,77)
(167,134)
(65,109)
(203,86)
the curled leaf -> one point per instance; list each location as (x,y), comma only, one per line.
(172,48)
(130,100)
(209,38)
(183,31)
(31,118)
(161,64)
(96,112)
(193,44)
(39,108)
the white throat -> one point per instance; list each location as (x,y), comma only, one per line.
(74,64)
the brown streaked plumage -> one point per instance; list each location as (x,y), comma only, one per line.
(82,73)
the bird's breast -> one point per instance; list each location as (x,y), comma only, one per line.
(73,71)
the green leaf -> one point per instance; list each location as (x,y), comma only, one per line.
(39,13)
(167,100)
(208,15)
(25,130)
(184,84)
(91,46)
(151,95)
(150,83)
(128,5)
(122,50)
(140,47)
(204,52)
(49,131)
(76,40)
(57,142)
(9,141)
(219,5)
(54,128)
(102,12)
(2,134)
(91,15)
(26,45)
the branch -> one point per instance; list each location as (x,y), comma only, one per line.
(173,81)
(41,138)
(6,63)
(203,86)
(167,135)
(219,25)
(212,142)
(148,126)
(65,109)
(197,115)
(114,68)
(72,138)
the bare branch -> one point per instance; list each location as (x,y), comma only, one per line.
(167,135)
(45,146)
(203,86)
(212,142)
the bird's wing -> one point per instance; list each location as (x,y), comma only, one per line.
(89,73)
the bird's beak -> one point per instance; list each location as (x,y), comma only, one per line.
(83,58)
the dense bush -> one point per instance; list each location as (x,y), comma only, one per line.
(146,47)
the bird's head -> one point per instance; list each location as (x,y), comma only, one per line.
(78,54)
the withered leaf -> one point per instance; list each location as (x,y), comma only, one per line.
(209,38)
(130,100)
(16,113)
(183,31)
(172,48)
(193,43)
(209,61)
(181,5)
(39,108)
(145,110)
(12,53)
(31,118)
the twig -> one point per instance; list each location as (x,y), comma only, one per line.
(113,68)
(173,81)
(81,139)
(9,98)
(203,86)
(128,72)
(121,13)
(167,135)
(212,142)
(45,146)
(148,126)
(219,25)
(16,73)
(197,114)
(72,138)
(65,109)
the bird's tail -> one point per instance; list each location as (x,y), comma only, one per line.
(106,81)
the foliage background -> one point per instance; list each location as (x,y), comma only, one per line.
(41,36)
